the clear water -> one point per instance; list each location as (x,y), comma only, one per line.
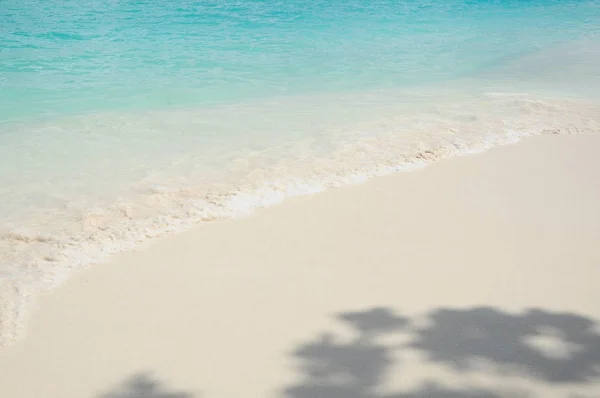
(124,120)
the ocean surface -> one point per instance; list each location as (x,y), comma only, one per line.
(125,120)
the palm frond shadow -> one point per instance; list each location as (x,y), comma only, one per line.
(144,385)
(551,347)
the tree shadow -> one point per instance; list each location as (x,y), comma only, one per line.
(434,390)
(348,370)
(143,385)
(553,347)
(550,347)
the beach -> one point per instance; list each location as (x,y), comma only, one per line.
(126,122)
(476,276)
(325,199)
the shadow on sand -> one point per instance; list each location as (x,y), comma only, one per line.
(143,385)
(553,348)
(548,347)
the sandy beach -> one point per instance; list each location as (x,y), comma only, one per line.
(477,276)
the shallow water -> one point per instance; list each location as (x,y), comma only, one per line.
(121,121)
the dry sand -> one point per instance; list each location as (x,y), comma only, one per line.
(419,284)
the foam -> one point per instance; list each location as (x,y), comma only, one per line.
(43,252)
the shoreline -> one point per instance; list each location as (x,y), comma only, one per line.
(508,230)
(43,260)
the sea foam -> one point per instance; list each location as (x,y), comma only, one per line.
(39,253)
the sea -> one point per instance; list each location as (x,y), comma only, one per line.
(125,120)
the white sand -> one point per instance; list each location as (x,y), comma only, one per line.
(219,311)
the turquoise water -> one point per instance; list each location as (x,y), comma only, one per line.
(72,57)
(125,120)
